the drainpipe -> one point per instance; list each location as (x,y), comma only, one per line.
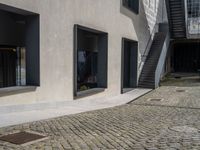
(186,18)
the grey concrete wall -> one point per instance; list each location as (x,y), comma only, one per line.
(57,19)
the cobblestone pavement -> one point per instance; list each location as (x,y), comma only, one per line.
(184,92)
(171,124)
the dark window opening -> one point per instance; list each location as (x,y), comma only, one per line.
(129,64)
(133,5)
(19,47)
(91,59)
(12,66)
(7,67)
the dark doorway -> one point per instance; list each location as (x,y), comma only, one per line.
(186,57)
(129,64)
(90,60)
(7,67)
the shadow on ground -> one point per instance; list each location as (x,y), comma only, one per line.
(181,80)
(177,90)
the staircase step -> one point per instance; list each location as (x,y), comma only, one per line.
(147,76)
(176,15)
(146,81)
(146,86)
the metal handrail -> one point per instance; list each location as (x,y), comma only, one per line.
(148,43)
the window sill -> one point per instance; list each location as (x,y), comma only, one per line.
(126,90)
(136,12)
(89,92)
(16,90)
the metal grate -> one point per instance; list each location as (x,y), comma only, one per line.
(180,91)
(193,10)
(155,99)
(21,138)
(177,77)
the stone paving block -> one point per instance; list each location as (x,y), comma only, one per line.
(140,125)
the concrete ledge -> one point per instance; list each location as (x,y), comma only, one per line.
(16,114)
(89,92)
(16,90)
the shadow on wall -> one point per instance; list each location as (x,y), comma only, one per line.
(141,24)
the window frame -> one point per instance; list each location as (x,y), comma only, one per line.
(77,94)
(134,10)
(32,46)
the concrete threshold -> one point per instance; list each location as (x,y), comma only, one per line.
(13,115)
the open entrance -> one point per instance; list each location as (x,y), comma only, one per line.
(186,57)
(19,47)
(129,64)
(183,64)
(90,61)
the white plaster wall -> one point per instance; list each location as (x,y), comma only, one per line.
(152,12)
(57,18)
(155,11)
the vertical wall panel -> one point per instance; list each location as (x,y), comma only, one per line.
(32,50)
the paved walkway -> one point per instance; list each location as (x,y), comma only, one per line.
(174,95)
(12,115)
(170,124)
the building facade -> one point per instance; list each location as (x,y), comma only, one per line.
(64,50)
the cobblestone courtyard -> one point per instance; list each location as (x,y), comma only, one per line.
(170,124)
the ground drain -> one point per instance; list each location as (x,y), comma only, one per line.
(177,77)
(184,129)
(23,138)
(180,91)
(155,99)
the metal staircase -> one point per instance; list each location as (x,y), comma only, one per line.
(147,77)
(176,17)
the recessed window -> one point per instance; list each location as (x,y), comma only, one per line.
(129,64)
(19,47)
(12,66)
(90,60)
(132,5)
